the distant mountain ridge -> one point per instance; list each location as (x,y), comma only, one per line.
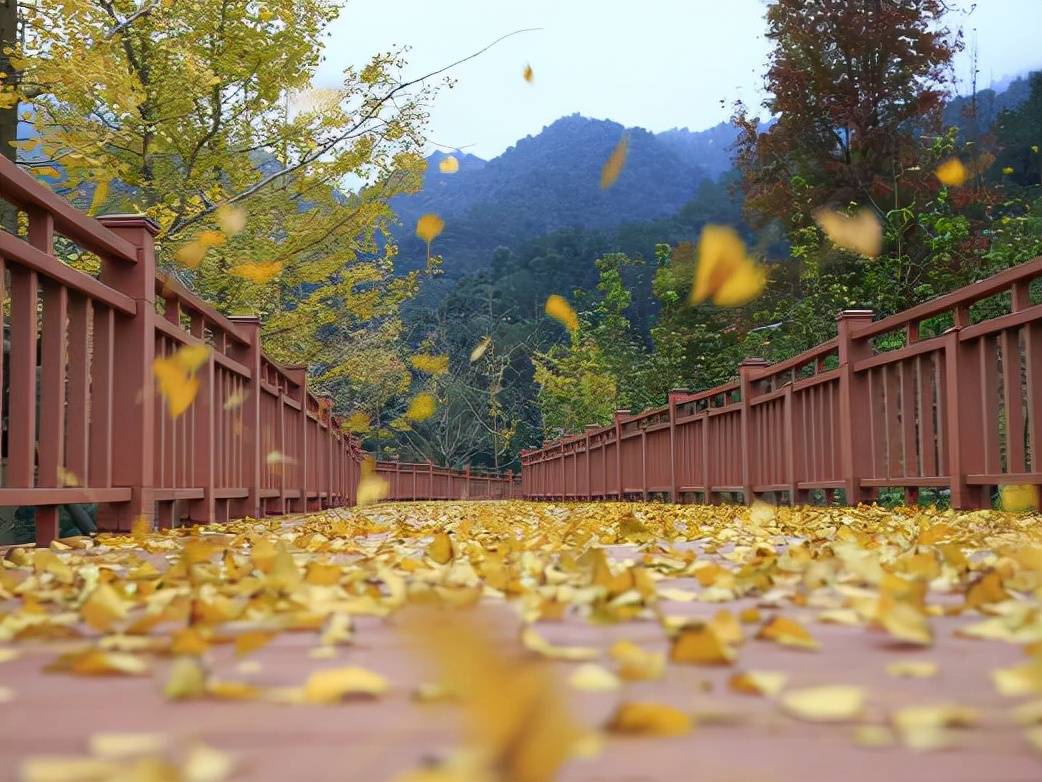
(551,181)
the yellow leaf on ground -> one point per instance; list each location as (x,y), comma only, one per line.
(558,308)
(925,727)
(534,642)
(913,669)
(650,719)
(103,607)
(768,683)
(121,745)
(94,662)
(440,548)
(636,663)
(1016,680)
(334,684)
(616,160)
(699,643)
(206,764)
(861,233)
(591,677)
(833,703)
(65,769)
(788,632)
(187,679)
(249,642)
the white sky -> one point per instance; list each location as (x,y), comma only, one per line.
(654,63)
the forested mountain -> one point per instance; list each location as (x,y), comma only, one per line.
(550,181)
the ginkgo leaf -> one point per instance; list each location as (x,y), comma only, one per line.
(528,74)
(176,379)
(101,193)
(231,219)
(650,719)
(206,764)
(952,172)
(234,400)
(187,679)
(558,308)
(724,272)
(421,407)
(861,233)
(787,632)
(479,349)
(616,160)
(371,487)
(334,684)
(759,682)
(211,238)
(440,548)
(636,663)
(699,643)
(913,669)
(834,703)
(103,607)
(591,677)
(121,745)
(448,165)
(429,227)
(191,254)
(534,642)
(257,272)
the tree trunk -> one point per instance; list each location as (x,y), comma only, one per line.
(8,117)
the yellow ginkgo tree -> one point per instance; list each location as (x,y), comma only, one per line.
(271,196)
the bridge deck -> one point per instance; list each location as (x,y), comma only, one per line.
(736,737)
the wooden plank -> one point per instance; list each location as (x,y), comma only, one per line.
(927,421)
(21,427)
(988,378)
(52,384)
(911,417)
(77,455)
(1033,365)
(1013,401)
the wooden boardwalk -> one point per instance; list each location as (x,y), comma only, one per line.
(736,736)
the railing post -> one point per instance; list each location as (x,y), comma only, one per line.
(204,408)
(466,483)
(746,373)
(963,379)
(430,474)
(674,479)
(299,376)
(855,420)
(619,415)
(134,345)
(250,355)
(589,460)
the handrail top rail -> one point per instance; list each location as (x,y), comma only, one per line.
(962,297)
(166,285)
(22,190)
(762,373)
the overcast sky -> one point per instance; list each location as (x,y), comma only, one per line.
(654,63)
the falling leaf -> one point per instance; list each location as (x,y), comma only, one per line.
(559,309)
(448,165)
(1007,170)
(534,642)
(277,457)
(1022,498)
(235,400)
(768,683)
(650,719)
(834,703)
(257,272)
(121,745)
(67,477)
(440,548)
(421,407)
(175,375)
(211,238)
(951,172)
(788,632)
(913,669)
(616,160)
(724,272)
(479,349)
(527,73)
(101,193)
(591,677)
(432,365)
(429,227)
(699,643)
(861,233)
(231,219)
(191,254)
(371,487)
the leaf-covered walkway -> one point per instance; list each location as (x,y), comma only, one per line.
(519,641)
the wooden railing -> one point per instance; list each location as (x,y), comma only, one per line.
(83,422)
(425,481)
(959,411)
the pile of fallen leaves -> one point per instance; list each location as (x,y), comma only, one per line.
(710,580)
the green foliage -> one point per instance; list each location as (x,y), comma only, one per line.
(576,386)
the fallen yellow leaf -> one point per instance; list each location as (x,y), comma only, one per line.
(650,719)
(834,703)
(334,684)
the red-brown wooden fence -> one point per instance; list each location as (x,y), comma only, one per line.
(961,411)
(84,423)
